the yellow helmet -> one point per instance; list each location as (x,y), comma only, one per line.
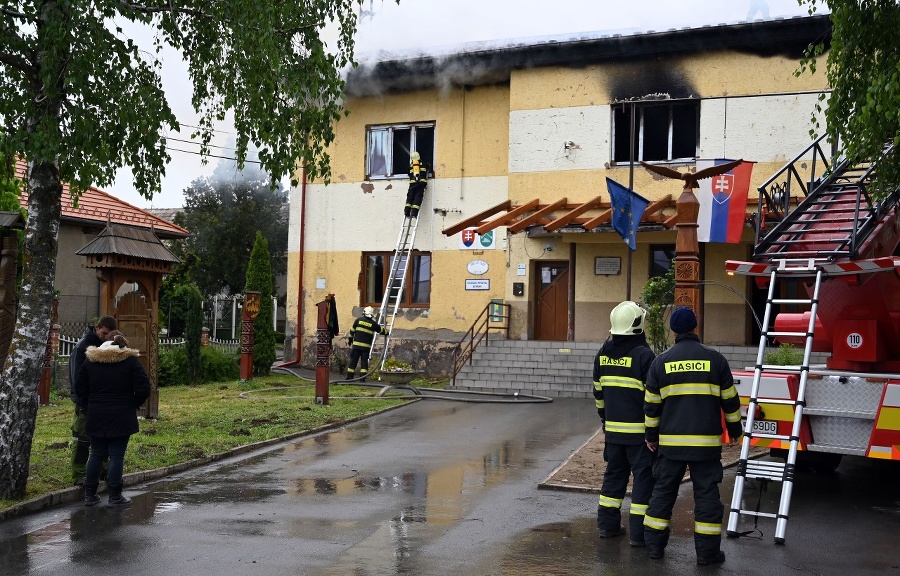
(627,319)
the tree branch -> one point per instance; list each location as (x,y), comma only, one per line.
(166,8)
(19,15)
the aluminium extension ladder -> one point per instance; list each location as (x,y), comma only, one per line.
(766,471)
(393,292)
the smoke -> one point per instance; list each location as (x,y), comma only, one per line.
(388,31)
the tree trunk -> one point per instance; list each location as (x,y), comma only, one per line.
(22,371)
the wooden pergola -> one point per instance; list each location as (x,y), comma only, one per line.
(595,215)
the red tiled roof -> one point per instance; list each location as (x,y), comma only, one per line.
(96,207)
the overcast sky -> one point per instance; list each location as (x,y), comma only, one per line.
(440,27)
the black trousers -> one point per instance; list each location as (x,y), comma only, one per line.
(706,475)
(361,356)
(414,197)
(623,461)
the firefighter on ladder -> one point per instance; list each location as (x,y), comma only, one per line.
(418,180)
(620,371)
(689,386)
(362,334)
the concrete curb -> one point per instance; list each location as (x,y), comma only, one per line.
(76,493)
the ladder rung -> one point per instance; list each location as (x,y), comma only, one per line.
(755,513)
(774,401)
(791,301)
(771,436)
(789,334)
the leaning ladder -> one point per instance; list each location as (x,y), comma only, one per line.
(393,292)
(766,470)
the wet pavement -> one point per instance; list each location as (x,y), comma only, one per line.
(436,488)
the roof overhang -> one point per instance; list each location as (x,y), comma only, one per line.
(486,66)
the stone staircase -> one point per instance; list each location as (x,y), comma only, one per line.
(555,369)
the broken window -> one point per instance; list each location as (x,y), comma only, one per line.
(388,149)
(664,131)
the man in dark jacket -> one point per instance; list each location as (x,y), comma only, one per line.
(362,334)
(620,371)
(111,386)
(688,388)
(81,442)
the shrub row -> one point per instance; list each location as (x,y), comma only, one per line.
(216,365)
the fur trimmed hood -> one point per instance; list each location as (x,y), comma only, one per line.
(109,353)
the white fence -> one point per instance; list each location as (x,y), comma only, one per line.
(67,344)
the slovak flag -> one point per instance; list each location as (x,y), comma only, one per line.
(723,202)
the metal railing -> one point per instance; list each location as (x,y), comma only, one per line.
(776,193)
(495,316)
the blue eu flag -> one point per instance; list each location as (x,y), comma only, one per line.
(628,208)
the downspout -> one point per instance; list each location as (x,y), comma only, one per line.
(300,251)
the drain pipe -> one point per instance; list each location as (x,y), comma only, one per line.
(300,250)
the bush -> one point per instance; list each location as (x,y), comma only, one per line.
(279,338)
(784,355)
(173,366)
(215,366)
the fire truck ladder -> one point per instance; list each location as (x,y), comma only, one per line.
(766,471)
(393,292)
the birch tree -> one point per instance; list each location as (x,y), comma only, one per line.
(863,71)
(79,99)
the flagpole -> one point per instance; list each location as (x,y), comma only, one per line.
(631,189)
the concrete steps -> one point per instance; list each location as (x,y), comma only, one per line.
(555,369)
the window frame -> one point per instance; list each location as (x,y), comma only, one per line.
(653,249)
(640,128)
(407,293)
(388,131)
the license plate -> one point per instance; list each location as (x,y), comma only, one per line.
(765,426)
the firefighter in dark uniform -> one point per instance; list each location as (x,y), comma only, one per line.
(362,334)
(620,371)
(418,180)
(689,386)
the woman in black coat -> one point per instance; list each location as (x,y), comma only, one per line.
(111,386)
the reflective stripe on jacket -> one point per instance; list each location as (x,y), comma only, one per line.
(620,370)
(688,389)
(364,330)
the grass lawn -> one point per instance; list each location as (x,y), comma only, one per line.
(197,421)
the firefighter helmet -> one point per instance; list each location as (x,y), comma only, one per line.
(626,319)
(369,311)
(414,157)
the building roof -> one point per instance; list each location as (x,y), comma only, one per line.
(167,214)
(490,65)
(130,242)
(97,207)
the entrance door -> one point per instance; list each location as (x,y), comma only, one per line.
(551,316)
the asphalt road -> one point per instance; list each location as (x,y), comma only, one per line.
(436,488)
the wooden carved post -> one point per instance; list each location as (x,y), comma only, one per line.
(49,355)
(687,254)
(323,350)
(251,311)
(687,249)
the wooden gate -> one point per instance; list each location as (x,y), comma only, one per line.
(135,318)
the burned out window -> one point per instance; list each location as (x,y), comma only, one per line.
(388,149)
(664,131)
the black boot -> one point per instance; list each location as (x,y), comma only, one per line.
(90,495)
(115,496)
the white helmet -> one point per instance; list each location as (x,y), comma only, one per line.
(414,157)
(369,311)
(627,319)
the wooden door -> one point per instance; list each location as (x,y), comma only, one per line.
(133,317)
(551,316)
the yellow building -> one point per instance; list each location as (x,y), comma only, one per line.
(543,126)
